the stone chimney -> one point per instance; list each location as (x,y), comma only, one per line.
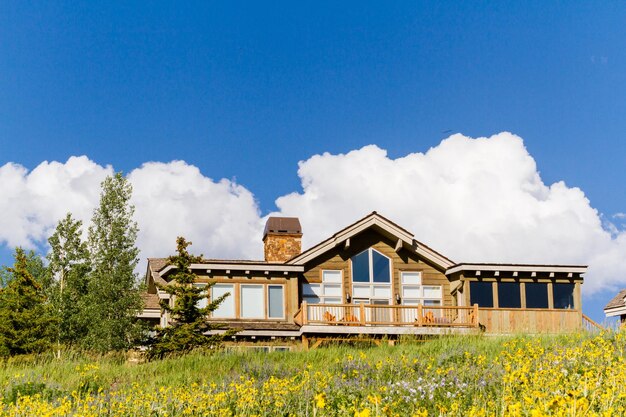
(282,239)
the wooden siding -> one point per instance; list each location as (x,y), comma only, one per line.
(339,259)
(515,320)
(290,290)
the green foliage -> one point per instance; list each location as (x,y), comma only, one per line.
(69,265)
(35,266)
(189,327)
(26,320)
(112,299)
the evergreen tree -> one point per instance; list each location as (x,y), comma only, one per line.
(112,300)
(189,327)
(69,265)
(26,320)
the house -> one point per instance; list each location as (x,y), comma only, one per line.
(617,307)
(374,278)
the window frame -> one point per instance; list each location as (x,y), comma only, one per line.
(372,285)
(232,294)
(322,296)
(267,301)
(421,298)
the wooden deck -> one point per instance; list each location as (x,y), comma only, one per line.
(401,319)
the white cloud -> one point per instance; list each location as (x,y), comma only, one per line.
(33,202)
(471,199)
(175,199)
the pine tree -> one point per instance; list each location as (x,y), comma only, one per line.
(69,265)
(112,300)
(190,326)
(26,320)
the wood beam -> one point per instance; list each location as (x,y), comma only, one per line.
(398,245)
(346,244)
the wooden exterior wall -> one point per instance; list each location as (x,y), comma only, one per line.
(339,259)
(290,283)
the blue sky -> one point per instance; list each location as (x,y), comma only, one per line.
(247,90)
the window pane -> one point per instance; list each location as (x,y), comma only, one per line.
(432,291)
(414,278)
(360,267)
(329,300)
(536,295)
(361,291)
(382,291)
(275,306)
(410,302)
(509,295)
(226,307)
(331,276)
(203,302)
(481,293)
(332,289)
(380,267)
(432,302)
(252,304)
(563,295)
(312,289)
(411,292)
(311,300)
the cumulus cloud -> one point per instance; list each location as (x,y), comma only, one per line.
(173,199)
(471,199)
(33,202)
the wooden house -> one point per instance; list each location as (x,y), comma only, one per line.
(374,278)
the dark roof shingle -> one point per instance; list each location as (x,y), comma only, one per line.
(617,301)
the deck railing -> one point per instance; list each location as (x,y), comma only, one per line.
(388,315)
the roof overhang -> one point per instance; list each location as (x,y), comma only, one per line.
(615,311)
(382,225)
(231,266)
(569,269)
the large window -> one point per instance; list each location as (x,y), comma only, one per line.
(481,293)
(371,278)
(414,293)
(563,295)
(203,302)
(328,292)
(275,302)
(226,309)
(509,295)
(536,295)
(371,266)
(252,305)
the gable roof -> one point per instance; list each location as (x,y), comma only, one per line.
(617,303)
(384,226)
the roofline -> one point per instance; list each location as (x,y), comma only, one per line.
(372,219)
(239,267)
(577,269)
(614,311)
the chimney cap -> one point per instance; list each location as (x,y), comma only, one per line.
(282,225)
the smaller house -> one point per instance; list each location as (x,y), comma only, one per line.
(617,307)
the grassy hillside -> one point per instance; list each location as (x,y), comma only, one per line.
(522,376)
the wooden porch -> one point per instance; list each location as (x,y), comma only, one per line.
(419,319)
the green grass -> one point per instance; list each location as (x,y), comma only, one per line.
(115,371)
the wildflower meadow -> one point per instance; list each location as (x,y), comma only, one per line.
(574,375)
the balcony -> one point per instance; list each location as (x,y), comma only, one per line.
(402,319)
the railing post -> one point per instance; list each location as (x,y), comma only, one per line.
(475,315)
(419,315)
(362,313)
(305,313)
